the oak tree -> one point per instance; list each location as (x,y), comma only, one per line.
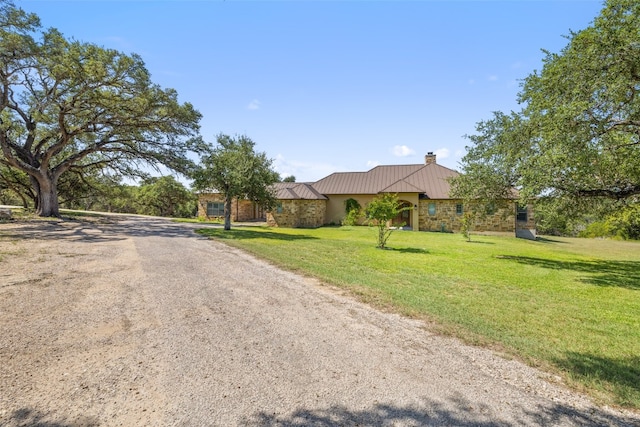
(577,137)
(236,171)
(66,104)
(165,196)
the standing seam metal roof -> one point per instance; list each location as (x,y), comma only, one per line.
(296,191)
(430,179)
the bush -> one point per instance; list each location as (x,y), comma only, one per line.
(352,217)
(353,211)
(596,229)
(624,224)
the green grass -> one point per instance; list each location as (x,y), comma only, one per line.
(197,220)
(570,306)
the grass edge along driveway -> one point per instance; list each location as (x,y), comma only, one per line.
(570,306)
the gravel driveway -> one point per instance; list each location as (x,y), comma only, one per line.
(140,322)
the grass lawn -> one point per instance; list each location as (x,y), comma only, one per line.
(571,306)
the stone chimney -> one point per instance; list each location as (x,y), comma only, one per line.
(429,158)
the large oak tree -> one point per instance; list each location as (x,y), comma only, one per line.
(577,137)
(68,105)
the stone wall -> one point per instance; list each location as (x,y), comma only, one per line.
(527,229)
(297,213)
(203,199)
(241,210)
(245,211)
(313,213)
(447,218)
(530,223)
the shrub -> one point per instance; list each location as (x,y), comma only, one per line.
(353,211)
(352,217)
(596,229)
(624,224)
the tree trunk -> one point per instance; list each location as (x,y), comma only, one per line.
(47,192)
(25,204)
(227,213)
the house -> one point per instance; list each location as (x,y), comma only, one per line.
(424,187)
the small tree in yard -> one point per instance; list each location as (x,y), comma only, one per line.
(466,224)
(380,212)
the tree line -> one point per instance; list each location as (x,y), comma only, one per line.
(158,196)
(77,120)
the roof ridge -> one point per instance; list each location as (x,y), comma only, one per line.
(443,167)
(415,171)
(419,190)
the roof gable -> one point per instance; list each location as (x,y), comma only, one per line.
(296,191)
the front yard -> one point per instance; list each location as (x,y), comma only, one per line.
(570,306)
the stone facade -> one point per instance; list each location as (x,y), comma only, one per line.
(447,217)
(203,199)
(241,210)
(298,213)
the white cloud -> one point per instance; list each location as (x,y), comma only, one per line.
(254,105)
(442,153)
(492,78)
(471,81)
(402,151)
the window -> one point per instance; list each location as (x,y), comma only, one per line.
(522,214)
(279,208)
(432,208)
(215,209)
(459,209)
(490,208)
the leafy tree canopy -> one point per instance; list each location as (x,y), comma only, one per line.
(165,196)
(577,137)
(234,169)
(68,105)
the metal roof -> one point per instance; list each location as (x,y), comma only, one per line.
(430,179)
(296,191)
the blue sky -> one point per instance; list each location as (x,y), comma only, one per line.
(329,86)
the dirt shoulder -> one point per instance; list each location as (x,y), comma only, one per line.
(66,346)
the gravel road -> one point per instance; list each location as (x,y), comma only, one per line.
(140,322)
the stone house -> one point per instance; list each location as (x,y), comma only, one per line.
(424,187)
